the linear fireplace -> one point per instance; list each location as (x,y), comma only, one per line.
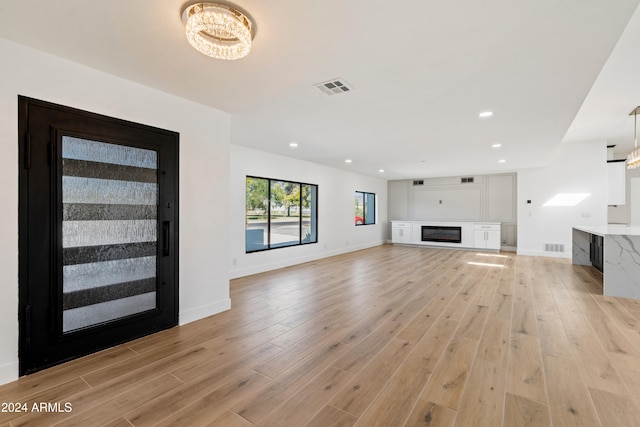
(441,233)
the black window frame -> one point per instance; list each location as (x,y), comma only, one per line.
(301,241)
(364,209)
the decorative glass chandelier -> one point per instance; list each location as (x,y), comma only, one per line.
(218,30)
(633,159)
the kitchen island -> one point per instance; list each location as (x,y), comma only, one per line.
(618,254)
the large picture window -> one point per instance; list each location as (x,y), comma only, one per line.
(365,208)
(280,213)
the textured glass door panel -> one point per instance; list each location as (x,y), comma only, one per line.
(90,315)
(109,192)
(109,232)
(105,232)
(95,274)
(83,149)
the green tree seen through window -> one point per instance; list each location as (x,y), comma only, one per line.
(257,195)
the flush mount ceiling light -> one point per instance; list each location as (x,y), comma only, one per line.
(218,30)
(485,114)
(633,159)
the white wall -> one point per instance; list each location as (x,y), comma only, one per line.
(575,168)
(337,232)
(204,175)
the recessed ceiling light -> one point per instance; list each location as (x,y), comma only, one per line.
(502,161)
(496,146)
(293,144)
(486,114)
(424,161)
(380,170)
(348,161)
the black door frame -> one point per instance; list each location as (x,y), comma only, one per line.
(41,341)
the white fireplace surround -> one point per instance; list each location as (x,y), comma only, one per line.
(475,235)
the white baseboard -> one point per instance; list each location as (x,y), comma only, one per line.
(502,248)
(234,274)
(193,314)
(9,372)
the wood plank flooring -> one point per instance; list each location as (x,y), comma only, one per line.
(388,336)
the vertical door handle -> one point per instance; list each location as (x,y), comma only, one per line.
(166,238)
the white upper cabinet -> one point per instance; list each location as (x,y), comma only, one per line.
(617,182)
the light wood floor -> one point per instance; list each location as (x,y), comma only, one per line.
(389,336)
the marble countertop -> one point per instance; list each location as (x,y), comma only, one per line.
(610,229)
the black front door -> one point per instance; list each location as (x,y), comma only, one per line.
(98,232)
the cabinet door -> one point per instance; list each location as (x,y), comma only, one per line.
(617,183)
(406,234)
(398,234)
(395,234)
(493,240)
(480,239)
(401,234)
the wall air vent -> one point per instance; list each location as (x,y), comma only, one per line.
(418,182)
(466,180)
(334,86)
(554,247)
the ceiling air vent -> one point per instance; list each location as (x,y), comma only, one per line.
(418,182)
(334,86)
(466,180)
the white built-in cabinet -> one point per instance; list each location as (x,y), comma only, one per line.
(474,235)
(486,236)
(401,232)
(616,183)
(468,199)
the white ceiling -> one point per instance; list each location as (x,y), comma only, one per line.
(604,114)
(420,74)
